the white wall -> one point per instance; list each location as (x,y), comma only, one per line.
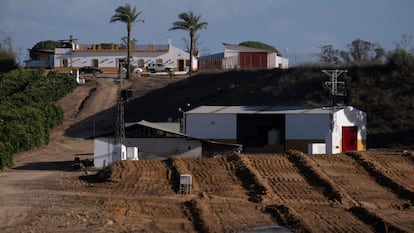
(306,126)
(351,116)
(272,60)
(333,142)
(211,126)
(148,148)
(282,62)
(102,150)
(109,58)
(162,148)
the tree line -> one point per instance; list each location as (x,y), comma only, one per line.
(28,109)
(362,52)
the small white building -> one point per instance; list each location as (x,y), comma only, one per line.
(107,56)
(242,57)
(279,128)
(145,140)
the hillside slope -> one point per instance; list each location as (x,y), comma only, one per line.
(385,94)
(355,192)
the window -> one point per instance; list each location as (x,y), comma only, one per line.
(95,62)
(65,63)
(158,60)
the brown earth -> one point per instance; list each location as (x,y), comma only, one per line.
(371,191)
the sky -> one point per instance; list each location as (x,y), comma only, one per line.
(297,28)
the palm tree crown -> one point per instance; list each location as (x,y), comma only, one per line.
(189,22)
(127,15)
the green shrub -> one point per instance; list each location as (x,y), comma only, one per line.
(28,109)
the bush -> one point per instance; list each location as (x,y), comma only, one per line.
(6,153)
(28,109)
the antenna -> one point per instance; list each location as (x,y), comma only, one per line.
(336,87)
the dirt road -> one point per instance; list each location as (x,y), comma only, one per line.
(42,193)
(355,192)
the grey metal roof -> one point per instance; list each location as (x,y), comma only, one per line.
(259,110)
(166,127)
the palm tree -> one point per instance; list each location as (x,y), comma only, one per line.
(190,22)
(127,15)
(125,41)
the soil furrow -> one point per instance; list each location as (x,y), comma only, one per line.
(377,171)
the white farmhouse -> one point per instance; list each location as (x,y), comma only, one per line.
(279,128)
(107,56)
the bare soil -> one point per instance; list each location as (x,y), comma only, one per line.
(371,191)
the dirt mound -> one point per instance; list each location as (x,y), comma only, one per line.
(232,193)
(384,176)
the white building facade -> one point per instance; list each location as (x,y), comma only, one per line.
(279,128)
(107,56)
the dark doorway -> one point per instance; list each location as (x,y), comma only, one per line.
(349,138)
(181,65)
(258,130)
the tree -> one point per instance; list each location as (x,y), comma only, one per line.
(329,55)
(124,43)
(258,45)
(7,53)
(405,43)
(43,45)
(361,51)
(190,23)
(197,44)
(129,16)
(402,61)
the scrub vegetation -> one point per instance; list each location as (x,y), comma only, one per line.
(28,109)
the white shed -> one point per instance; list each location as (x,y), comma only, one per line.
(145,140)
(279,128)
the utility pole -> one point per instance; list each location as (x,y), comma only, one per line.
(120,122)
(336,87)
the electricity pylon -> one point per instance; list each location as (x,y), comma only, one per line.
(336,87)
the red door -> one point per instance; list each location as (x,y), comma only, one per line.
(349,138)
(253,60)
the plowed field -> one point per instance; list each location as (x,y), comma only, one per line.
(370,191)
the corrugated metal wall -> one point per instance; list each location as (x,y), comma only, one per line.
(211,126)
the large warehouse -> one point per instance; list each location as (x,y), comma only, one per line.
(280,128)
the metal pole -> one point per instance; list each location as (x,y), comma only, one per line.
(120,123)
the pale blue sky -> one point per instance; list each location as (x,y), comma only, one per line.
(298,25)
